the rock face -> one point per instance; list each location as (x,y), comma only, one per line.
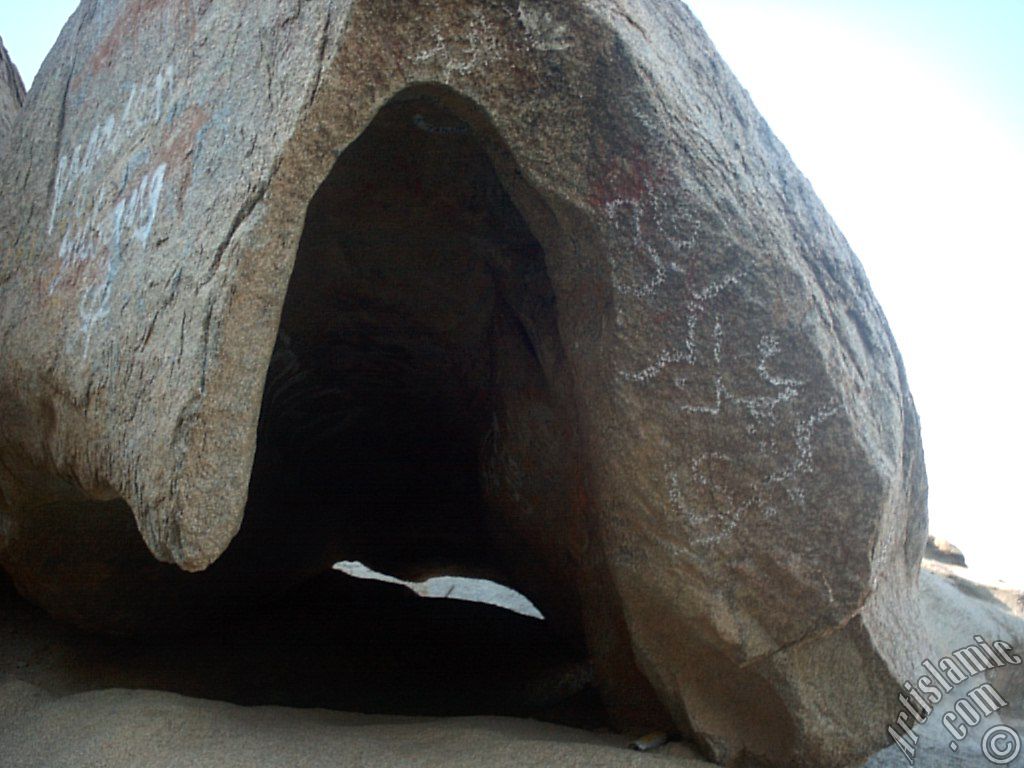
(12,91)
(520,289)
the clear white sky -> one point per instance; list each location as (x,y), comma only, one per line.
(908,118)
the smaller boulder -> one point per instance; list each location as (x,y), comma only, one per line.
(958,608)
(942,551)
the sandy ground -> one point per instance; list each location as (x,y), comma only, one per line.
(151,728)
(72,700)
(69,700)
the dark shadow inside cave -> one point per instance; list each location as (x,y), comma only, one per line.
(414,274)
(332,642)
(419,316)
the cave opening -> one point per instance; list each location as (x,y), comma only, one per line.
(416,286)
(418,328)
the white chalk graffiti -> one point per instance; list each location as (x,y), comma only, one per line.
(98,226)
(717,517)
(749,386)
(699,356)
(131,219)
(85,238)
(699,317)
(145,106)
(477,48)
(712,522)
(660,231)
(546,33)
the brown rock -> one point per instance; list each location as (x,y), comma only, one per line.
(12,92)
(524,289)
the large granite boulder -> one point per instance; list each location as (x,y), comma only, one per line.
(519,289)
(12,92)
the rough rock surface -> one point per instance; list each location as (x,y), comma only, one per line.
(525,289)
(12,92)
